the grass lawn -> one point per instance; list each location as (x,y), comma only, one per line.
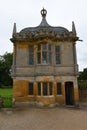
(6,94)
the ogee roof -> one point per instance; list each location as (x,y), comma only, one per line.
(44,30)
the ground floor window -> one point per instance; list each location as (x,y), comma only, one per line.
(31,89)
(45,88)
(59,88)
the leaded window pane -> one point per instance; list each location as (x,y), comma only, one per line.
(50,57)
(57,58)
(44,46)
(31,59)
(57,49)
(49,47)
(59,88)
(45,91)
(31,55)
(31,49)
(57,54)
(31,89)
(44,57)
(39,47)
(39,89)
(39,57)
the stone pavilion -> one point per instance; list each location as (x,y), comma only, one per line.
(45,68)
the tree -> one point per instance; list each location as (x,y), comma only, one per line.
(83,75)
(5,67)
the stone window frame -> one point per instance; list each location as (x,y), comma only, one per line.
(43,51)
(59,88)
(41,90)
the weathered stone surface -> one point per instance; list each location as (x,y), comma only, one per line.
(24,73)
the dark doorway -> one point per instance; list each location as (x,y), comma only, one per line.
(69,93)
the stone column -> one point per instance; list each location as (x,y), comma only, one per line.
(35,90)
(63,92)
(14,60)
(54,88)
(75,58)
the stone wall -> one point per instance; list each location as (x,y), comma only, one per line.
(83,95)
(82,90)
(20,90)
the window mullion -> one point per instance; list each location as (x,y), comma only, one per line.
(41,89)
(48,89)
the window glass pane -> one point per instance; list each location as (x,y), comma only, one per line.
(50,88)
(57,49)
(31,88)
(38,57)
(44,57)
(31,55)
(31,59)
(50,57)
(57,58)
(39,47)
(31,49)
(49,47)
(44,46)
(39,88)
(45,92)
(59,88)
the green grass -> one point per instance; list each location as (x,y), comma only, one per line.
(6,94)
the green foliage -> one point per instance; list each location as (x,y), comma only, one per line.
(82,84)
(6,94)
(5,67)
(7,102)
(83,75)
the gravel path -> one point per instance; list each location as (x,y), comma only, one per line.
(44,119)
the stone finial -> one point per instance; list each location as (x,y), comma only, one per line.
(43,13)
(43,22)
(14,29)
(73,28)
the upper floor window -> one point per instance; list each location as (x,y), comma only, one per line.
(31,55)
(57,54)
(44,54)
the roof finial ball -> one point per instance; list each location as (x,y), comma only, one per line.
(43,13)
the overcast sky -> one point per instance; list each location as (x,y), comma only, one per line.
(26,13)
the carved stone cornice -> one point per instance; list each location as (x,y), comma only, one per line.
(41,34)
(47,74)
